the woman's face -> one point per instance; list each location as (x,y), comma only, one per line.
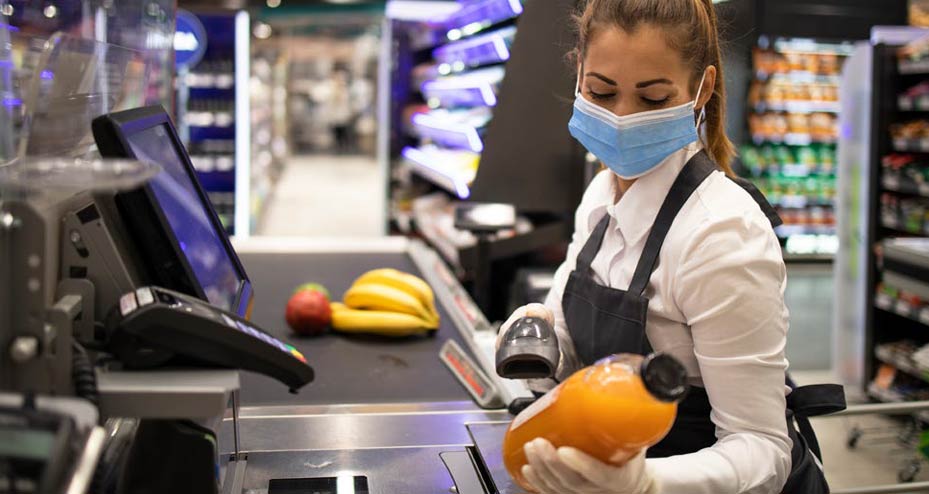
(628,73)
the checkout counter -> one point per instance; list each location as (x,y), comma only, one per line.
(146,281)
(380,408)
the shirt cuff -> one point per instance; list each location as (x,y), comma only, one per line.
(704,472)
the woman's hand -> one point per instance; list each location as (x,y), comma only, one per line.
(531,310)
(569,471)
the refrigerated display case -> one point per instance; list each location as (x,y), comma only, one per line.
(457,85)
(793,106)
(479,105)
(214,117)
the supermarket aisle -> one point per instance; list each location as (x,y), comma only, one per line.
(809,299)
(876,459)
(327,196)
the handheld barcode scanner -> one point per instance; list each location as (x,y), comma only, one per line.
(529,350)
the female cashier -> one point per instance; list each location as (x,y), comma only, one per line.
(671,255)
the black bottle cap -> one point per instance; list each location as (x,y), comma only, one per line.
(665,377)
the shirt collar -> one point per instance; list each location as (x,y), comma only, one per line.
(637,208)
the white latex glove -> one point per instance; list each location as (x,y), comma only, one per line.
(569,471)
(531,310)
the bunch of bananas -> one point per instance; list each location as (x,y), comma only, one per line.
(386,302)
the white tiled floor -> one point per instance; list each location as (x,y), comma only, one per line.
(327,196)
(337,196)
(876,459)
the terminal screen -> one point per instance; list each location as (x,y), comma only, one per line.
(188,217)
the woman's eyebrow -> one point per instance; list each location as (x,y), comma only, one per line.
(602,78)
(652,82)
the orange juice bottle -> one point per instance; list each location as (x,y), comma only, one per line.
(610,410)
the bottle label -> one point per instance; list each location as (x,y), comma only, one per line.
(536,408)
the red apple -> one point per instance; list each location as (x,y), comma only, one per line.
(308,312)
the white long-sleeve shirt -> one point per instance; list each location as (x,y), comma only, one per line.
(716,303)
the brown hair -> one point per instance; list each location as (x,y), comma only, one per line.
(691,28)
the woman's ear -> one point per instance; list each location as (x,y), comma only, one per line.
(706,90)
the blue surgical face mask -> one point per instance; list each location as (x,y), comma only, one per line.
(633,145)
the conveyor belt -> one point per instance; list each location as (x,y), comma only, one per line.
(349,369)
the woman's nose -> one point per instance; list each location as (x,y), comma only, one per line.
(623,107)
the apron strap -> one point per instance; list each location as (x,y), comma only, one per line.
(762,201)
(592,247)
(816,400)
(694,173)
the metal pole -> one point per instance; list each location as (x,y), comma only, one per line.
(884,408)
(886,489)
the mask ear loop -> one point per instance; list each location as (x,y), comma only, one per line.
(577,82)
(701,118)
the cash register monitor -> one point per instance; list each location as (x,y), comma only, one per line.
(178,234)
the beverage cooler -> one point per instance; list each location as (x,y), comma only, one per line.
(783,61)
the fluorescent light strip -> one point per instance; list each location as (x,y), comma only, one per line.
(502,51)
(243,144)
(470,133)
(487,91)
(423,159)
(516,6)
(409,10)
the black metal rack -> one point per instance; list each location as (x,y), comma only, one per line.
(528,158)
(889,318)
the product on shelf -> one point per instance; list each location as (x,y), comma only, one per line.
(912,135)
(890,385)
(915,98)
(905,214)
(790,161)
(793,128)
(905,173)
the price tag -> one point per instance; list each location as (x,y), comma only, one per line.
(903,308)
(883,301)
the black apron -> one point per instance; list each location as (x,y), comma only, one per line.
(603,321)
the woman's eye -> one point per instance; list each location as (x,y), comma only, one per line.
(655,102)
(600,96)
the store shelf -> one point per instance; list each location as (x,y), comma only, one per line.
(911,145)
(451,170)
(492,47)
(885,354)
(478,88)
(799,107)
(889,396)
(448,132)
(793,139)
(799,77)
(887,302)
(908,103)
(811,47)
(909,67)
(797,170)
(894,224)
(893,184)
(474,17)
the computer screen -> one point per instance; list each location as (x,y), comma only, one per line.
(179,238)
(196,236)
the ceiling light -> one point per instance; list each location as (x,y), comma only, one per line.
(262,30)
(50,11)
(274,3)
